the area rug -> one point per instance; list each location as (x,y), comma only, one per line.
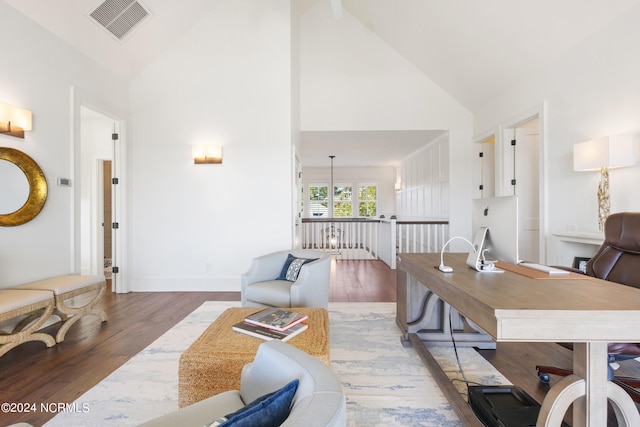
(385,384)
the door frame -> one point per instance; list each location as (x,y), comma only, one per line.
(79,98)
(297,201)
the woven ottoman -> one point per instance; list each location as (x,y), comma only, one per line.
(213,363)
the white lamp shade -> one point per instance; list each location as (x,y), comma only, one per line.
(610,152)
(17,116)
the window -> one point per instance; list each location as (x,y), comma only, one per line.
(344,203)
(367,200)
(342,200)
(318,200)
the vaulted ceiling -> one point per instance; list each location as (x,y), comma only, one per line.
(475,50)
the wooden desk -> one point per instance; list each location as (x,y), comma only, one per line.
(510,307)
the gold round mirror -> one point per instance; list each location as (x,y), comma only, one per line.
(37,187)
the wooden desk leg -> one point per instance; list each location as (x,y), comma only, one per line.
(623,406)
(590,362)
(588,389)
(558,399)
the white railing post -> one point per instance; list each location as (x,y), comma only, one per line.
(370,239)
(392,239)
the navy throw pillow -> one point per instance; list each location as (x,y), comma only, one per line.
(292,266)
(267,411)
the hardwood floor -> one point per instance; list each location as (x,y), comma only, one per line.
(31,373)
(362,281)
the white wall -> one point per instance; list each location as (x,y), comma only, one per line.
(592,91)
(231,81)
(296,230)
(228,81)
(425,182)
(352,80)
(37,73)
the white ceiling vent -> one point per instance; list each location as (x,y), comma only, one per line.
(119,17)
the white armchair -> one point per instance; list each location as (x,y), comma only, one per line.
(262,288)
(319,399)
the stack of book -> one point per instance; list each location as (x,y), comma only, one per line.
(273,323)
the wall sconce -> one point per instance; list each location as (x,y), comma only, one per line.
(206,154)
(398,184)
(603,154)
(13,120)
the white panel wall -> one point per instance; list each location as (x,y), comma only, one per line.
(228,81)
(592,91)
(425,182)
(37,73)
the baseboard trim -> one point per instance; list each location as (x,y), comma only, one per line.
(185,284)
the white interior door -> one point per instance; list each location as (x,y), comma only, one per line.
(92,130)
(522,178)
(97,149)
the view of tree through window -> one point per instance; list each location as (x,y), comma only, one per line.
(318,200)
(342,200)
(367,200)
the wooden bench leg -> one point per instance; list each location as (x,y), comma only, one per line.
(71,320)
(70,315)
(65,288)
(25,331)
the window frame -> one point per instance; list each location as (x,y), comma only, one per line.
(331,199)
(334,201)
(359,201)
(315,202)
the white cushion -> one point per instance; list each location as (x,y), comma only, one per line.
(13,299)
(276,293)
(63,284)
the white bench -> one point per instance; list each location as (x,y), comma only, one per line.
(66,287)
(38,305)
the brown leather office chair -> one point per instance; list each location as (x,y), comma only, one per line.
(617,260)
